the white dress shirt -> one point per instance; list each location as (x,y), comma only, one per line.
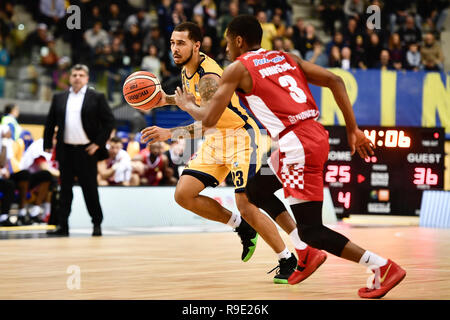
(74,132)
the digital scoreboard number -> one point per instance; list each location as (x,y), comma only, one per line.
(407,161)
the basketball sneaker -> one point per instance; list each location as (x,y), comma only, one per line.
(309,259)
(285,268)
(248,236)
(390,275)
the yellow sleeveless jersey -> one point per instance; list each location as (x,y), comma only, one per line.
(234,115)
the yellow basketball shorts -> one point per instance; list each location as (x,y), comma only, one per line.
(225,151)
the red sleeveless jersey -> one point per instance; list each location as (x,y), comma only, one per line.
(280,96)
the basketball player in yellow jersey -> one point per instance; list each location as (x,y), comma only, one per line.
(231,146)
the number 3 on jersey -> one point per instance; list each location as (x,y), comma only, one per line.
(296,93)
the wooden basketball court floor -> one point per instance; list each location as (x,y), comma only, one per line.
(207,266)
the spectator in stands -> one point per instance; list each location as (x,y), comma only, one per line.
(353,9)
(208,11)
(135,55)
(178,14)
(52,12)
(11,114)
(396,51)
(288,46)
(373,51)
(346,58)
(49,57)
(384,62)
(152,165)
(269,30)
(350,32)
(310,39)
(175,156)
(298,35)
(132,36)
(338,40)
(398,12)
(141,19)
(116,169)
(431,53)
(151,62)
(330,11)
(117,72)
(317,55)
(154,38)
(280,8)
(334,60)
(94,15)
(279,25)
(96,38)
(7,24)
(114,20)
(165,22)
(225,19)
(35,41)
(409,32)
(207,47)
(359,53)
(433,13)
(277,43)
(413,58)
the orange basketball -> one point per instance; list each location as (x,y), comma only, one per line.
(142,90)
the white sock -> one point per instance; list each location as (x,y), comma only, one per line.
(369,259)
(35,210)
(23,212)
(4,217)
(298,243)
(47,207)
(235,220)
(285,254)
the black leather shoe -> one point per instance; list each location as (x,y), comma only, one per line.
(97,232)
(58,232)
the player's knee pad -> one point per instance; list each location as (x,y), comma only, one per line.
(264,199)
(323,238)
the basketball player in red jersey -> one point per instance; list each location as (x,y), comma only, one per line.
(258,76)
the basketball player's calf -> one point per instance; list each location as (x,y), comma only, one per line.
(187,195)
(264,198)
(312,231)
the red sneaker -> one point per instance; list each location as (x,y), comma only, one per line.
(309,260)
(390,275)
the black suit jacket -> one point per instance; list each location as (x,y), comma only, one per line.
(96,117)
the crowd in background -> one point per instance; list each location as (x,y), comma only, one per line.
(118,37)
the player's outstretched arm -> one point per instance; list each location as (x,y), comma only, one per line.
(322,77)
(215,96)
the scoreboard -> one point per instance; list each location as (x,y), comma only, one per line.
(407,161)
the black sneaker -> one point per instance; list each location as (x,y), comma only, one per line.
(284,269)
(249,237)
(8,223)
(25,220)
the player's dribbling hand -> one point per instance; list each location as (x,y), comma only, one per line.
(163,101)
(154,134)
(358,141)
(184,99)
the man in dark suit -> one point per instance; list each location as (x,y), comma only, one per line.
(84,122)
